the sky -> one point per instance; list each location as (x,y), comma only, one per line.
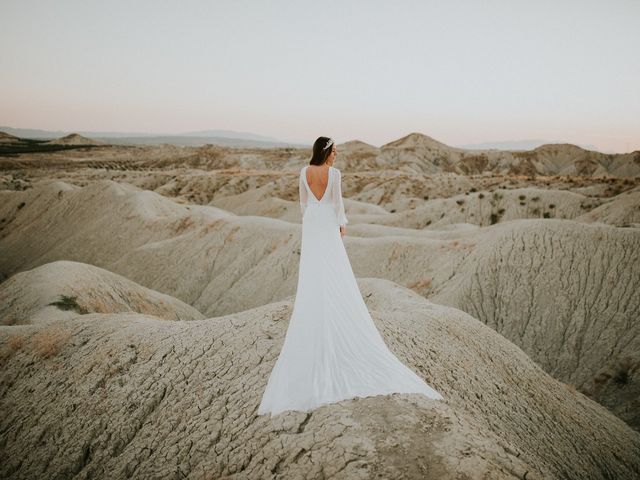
(462,72)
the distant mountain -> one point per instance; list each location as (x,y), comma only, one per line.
(419,153)
(229,134)
(32,133)
(12,145)
(75,139)
(51,134)
(514,145)
(417,140)
(226,138)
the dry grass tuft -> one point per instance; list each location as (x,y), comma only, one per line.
(421,286)
(14,343)
(49,342)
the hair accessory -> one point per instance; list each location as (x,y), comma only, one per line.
(329,143)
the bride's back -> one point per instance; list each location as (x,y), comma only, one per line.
(318,179)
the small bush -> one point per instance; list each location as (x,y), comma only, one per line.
(460,202)
(535,199)
(522,197)
(546,215)
(626,365)
(69,303)
(481,195)
(494,218)
(551,205)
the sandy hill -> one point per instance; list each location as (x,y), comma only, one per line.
(264,201)
(485,208)
(8,138)
(417,142)
(123,393)
(62,289)
(622,210)
(356,155)
(210,259)
(406,205)
(419,153)
(75,139)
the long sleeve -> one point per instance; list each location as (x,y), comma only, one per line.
(338,204)
(304,195)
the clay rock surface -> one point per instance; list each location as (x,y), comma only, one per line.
(131,396)
(566,293)
(623,211)
(63,289)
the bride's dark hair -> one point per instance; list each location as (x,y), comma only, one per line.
(320,154)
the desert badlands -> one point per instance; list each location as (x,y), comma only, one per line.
(145,292)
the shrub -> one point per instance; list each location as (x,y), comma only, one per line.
(69,303)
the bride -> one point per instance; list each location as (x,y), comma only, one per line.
(332,350)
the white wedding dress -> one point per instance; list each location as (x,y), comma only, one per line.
(332,350)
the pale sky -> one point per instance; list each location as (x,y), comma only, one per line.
(459,71)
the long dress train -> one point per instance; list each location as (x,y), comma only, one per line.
(332,349)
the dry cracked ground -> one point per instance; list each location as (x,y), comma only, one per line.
(146,292)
